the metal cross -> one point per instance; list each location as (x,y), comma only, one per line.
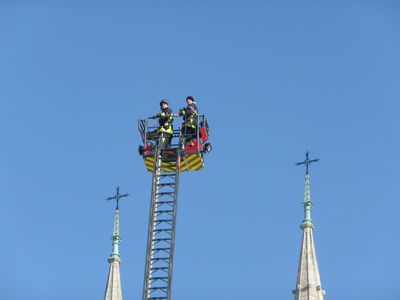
(117,196)
(307,162)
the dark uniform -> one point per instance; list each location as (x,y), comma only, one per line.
(190,119)
(165,130)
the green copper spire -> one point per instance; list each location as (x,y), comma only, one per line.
(116,237)
(307,204)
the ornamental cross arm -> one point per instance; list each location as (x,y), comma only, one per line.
(307,162)
(117,197)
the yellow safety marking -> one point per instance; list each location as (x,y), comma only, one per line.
(191,162)
(188,159)
(194,162)
(196,165)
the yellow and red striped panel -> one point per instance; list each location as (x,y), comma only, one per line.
(190,162)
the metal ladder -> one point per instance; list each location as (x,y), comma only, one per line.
(161,233)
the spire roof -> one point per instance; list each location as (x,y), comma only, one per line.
(308,284)
(113,288)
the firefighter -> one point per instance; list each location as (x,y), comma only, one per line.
(165,130)
(190,118)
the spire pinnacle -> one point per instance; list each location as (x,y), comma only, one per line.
(307,204)
(116,237)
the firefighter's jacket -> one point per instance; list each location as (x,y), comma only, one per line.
(190,115)
(165,120)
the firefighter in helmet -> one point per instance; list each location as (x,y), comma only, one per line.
(190,118)
(165,130)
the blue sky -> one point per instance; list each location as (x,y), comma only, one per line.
(275,78)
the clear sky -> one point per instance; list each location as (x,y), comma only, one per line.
(275,78)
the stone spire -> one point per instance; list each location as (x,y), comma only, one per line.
(308,284)
(113,289)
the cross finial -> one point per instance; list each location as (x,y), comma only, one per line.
(117,197)
(307,162)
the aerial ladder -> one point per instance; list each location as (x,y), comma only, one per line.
(186,154)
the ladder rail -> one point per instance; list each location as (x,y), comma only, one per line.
(173,233)
(154,187)
(161,232)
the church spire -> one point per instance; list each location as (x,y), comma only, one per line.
(113,289)
(307,196)
(308,284)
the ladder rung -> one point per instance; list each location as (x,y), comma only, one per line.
(163,220)
(161,230)
(163,289)
(162,239)
(162,249)
(164,211)
(159,269)
(165,174)
(164,202)
(160,258)
(158,288)
(166,184)
(165,193)
(159,278)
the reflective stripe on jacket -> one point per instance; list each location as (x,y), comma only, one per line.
(190,115)
(166,117)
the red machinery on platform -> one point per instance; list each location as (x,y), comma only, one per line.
(191,149)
